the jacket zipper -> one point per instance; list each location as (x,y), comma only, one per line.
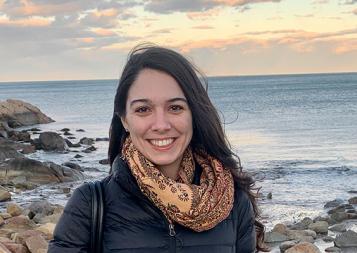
(172,231)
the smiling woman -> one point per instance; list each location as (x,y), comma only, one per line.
(174,182)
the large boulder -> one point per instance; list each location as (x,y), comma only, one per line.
(51,141)
(28,171)
(5,195)
(19,113)
(346,239)
(303,247)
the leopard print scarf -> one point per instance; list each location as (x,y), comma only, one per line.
(198,207)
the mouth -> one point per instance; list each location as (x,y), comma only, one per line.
(162,143)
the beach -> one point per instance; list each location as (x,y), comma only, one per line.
(294,133)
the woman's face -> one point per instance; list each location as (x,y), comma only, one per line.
(158,118)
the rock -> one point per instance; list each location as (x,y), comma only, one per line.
(19,113)
(338,228)
(72,145)
(47,229)
(23,235)
(16,248)
(7,153)
(333,203)
(286,245)
(29,171)
(73,166)
(339,209)
(353,201)
(320,227)
(304,224)
(18,223)
(303,247)
(36,243)
(78,156)
(19,136)
(104,161)
(51,141)
(34,129)
(351,215)
(346,239)
(67,134)
(4,194)
(86,141)
(80,130)
(28,149)
(40,207)
(66,190)
(332,249)
(14,209)
(328,238)
(301,234)
(89,149)
(5,216)
(102,139)
(274,237)
(53,218)
(269,195)
(280,228)
(4,249)
(65,129)
(339,216)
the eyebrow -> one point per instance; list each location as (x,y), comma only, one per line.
(144,100)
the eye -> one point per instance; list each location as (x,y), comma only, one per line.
(142,110)
(176,108)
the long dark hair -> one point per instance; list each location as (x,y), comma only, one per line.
(208,133)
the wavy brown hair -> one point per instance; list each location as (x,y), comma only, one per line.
(210,136)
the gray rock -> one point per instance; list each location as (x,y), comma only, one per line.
(275,237)
(36,172)
(320,227)
(73,166)
(86,141)
(338,228)
(339,216)
(353,200)
(304,224)
(104,161)
(346,239)
(72,145)
(332,249)
(333,203)
(40,207)
(286,245)
(51,141)
(102,139)
(7,153)
(328,238)
(19,113)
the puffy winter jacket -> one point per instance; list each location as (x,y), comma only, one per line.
(133,224)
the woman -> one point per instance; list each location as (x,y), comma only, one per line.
(174,185)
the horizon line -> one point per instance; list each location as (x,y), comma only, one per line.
(215,76)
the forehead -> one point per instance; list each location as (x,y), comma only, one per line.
(154,85)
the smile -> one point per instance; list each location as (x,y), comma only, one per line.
(162,142)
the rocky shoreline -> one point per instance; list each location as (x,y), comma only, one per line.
(28,228)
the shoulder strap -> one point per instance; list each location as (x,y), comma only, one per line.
(97,217)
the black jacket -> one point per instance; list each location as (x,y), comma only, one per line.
(133,224)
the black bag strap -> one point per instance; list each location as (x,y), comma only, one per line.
(97,217)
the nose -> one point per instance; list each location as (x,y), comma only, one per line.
(161,122)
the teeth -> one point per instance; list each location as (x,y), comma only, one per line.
(161,143)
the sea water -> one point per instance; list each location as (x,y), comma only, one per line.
(296,133)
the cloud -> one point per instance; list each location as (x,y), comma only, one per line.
(304,16)
(169,6)
(349,2)
(203,27)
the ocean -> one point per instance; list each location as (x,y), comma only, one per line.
(296,133)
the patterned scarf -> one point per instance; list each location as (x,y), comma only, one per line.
(198,207)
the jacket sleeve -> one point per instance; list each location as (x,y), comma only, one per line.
(246,235)
(72,232)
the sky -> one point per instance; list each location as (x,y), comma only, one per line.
(90,39)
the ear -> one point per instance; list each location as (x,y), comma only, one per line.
(124,122)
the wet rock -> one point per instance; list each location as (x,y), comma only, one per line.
(86,141)
(51,141)
(7,153)
(71,137)
(338,209)
(66,190)
(269,195)
(102,139)
(353,201)
(72,145)
(36,244)
(67,134)
(36,172)
(328,238)
(346,239)
(78,156)
(338,228)
(35,129)
(339,216)
(65,129)
(80,130)
(304,224)
(304,247)
(320,227)
(13,209)
(19,113)
(73,166)
(333,203)
(104,161)
(333,249)
(5,195)
(28,149)
(89,149)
